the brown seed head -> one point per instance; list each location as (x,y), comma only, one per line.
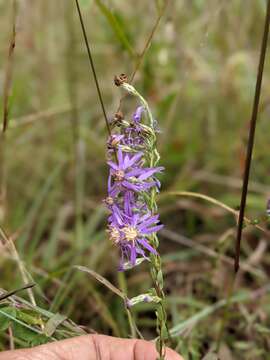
(118,116)
(120,79)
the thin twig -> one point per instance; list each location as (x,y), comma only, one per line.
(13,292)
(145,48)
(250,144)
(92,66)
(148,42)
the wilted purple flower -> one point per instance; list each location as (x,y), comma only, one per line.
(114,140)
(133,137)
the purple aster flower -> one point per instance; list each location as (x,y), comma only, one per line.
(128,175)
(131,235)
(131,222)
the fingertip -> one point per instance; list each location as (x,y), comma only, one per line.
(147,350)
(172,355)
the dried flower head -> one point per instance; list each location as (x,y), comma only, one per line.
(120,79)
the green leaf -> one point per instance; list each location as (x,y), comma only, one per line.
(146,298)
(53,323)
(28,336)
(116,27)
(21,332)
(5,321)
(160,278)
(29,317)
(19,322)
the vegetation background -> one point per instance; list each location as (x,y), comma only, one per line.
(199,75)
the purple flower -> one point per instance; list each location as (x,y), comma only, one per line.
(138,114)
(131,234)
(128,175)
(131,222)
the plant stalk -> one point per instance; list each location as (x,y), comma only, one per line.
(251,138)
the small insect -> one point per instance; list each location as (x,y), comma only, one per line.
(268,207)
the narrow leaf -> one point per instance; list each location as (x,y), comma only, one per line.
(102,280)
(5,321)
(53,323)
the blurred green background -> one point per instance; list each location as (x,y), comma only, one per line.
(198,75)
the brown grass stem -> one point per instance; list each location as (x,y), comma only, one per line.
(251,138)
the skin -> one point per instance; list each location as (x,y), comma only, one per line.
(91,347)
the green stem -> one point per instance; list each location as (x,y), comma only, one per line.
(152,157)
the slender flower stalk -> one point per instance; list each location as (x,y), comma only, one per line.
(251,138)
(133,221)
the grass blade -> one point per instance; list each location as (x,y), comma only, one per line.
(102,280)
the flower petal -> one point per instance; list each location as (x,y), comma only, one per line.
(138,113)
(147,246)
(153,229)
(134,172)
(120,158)
(113,165)
(130,186)
(145,223)
(134,159)
(149,172)
(133,255)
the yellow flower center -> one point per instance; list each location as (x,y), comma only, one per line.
(130,233)
(114,234)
